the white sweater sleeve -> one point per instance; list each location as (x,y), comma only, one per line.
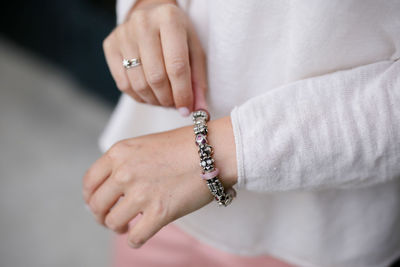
(122,9)
(338,130)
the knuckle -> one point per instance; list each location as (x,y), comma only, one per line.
(123,176)
(142,194)
(121,145)
(87,177)
(107,43)
(141,198)
(111,223)
(156,78)
(94,206)
(178,67)
(87,184)
(120,32)
(139,18)
(116,150)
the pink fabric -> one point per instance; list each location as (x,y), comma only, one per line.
(171,247)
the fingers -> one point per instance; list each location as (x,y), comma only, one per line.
(114,62)
(95,176)
(136,77)
(198,68)
(159,37)
(104,198)
(148,225)
(122,213)
(153,66)
(176,57)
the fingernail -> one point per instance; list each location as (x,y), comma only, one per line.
(184,111)
(135,245)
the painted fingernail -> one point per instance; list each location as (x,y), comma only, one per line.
(184,111)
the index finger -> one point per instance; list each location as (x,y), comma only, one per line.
(174,43)
(95,176)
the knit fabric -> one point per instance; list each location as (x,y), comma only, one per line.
(313,91)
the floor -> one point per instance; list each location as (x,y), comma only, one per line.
(48,138)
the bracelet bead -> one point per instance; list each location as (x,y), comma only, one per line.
(210,173)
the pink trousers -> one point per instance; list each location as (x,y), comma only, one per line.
(171,247)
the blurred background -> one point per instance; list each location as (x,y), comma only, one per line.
(56,95)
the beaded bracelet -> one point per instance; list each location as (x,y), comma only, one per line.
(210,174)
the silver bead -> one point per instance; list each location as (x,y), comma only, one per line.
(201,139)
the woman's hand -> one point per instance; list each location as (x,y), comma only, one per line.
(173,69)
(158,176)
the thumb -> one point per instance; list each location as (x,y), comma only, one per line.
(198,67)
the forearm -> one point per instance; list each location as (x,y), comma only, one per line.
(334,131)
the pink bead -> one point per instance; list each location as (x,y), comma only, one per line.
(210,175)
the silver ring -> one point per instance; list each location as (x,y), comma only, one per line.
(130,63)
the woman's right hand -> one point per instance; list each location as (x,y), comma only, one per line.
(173,66)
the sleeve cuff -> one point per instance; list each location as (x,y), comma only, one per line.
(122,9)
(239,148)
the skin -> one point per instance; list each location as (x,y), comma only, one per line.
(157,175)
(173,70)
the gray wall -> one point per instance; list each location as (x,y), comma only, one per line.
(48,138)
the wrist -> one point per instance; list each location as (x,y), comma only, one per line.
(221,138)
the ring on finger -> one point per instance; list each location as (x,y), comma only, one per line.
(131,63)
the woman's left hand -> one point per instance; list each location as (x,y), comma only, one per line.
(158,176)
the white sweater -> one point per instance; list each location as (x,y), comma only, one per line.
(313,90)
